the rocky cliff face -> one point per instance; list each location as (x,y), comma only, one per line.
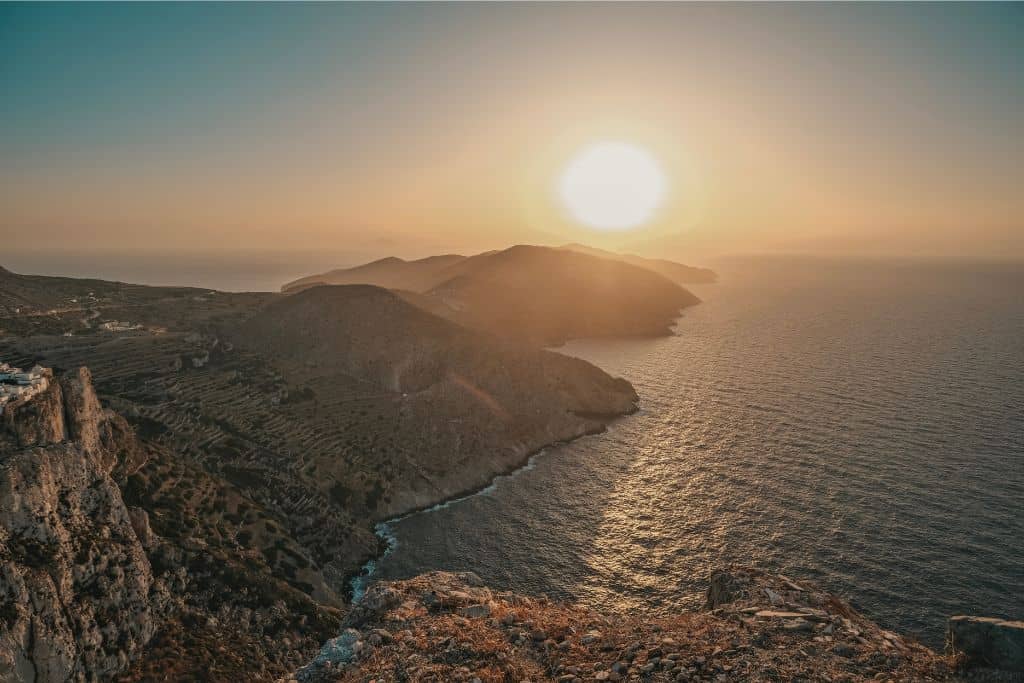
(35,422)
(77,595)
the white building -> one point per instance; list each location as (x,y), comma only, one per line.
(16,384)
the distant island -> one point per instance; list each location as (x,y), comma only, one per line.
(538,295)
(424,274)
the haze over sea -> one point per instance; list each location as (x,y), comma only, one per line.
(858,424)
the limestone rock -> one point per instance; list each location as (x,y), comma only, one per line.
(989,642)
(723,588)
(77,595)
(139,519)
(37,421)
(82,409)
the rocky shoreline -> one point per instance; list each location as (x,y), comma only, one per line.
(359,581)
(755,626)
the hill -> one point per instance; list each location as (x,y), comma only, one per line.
(277,430)
(548,296)
(755,627)
(460,406)
(677,272)
(390,273)
(424,274)
(539,295)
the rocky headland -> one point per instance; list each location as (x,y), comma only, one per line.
(535,295)
(755,626)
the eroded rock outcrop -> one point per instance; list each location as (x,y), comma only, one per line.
(77,595)
(988,642)
(35,421)
(757,627)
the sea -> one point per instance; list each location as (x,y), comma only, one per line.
(859,424)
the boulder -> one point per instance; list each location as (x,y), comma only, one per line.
(139,519)
(724,587)
(82,409)
(987,641)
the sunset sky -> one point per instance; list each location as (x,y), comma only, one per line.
(864,129)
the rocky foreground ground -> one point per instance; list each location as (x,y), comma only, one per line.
(755,627)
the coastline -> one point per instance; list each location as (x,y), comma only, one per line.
(356,583)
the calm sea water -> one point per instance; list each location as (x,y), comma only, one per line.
(858,424)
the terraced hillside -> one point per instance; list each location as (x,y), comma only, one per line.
(37,304)
(451,407)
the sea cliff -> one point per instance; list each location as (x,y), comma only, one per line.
(77,592)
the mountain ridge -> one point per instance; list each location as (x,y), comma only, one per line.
(539,295)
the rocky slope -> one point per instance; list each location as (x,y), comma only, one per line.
(110,567)
(755,627)
(77,592)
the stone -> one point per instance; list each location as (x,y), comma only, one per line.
(723,588)
(476,611)
(139,519)
(844,650)
(987,641)
(82,409)
(798,626)
(85,599)
(471,579)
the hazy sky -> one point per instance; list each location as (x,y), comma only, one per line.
(874,128)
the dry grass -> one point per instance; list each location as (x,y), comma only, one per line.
(537,640)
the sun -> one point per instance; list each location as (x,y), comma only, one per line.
(612,186)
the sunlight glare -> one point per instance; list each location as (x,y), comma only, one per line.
(612,186)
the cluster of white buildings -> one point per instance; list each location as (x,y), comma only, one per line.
(17,384)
